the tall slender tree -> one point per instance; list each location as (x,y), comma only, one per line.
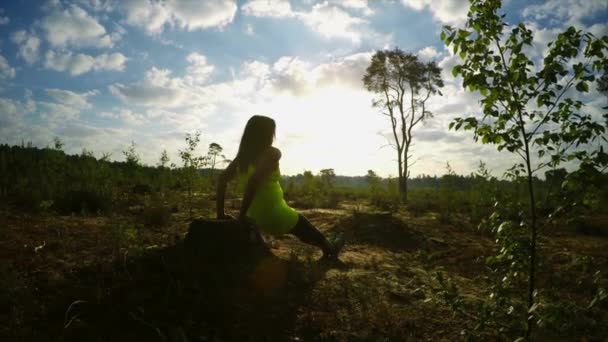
(191,165)
(404,84)
(131,156)
(215,150)
(164,159)
(530,107)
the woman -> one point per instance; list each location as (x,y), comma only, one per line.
(257,164)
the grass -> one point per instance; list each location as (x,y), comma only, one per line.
(385,289)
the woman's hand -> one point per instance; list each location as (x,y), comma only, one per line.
(226,175)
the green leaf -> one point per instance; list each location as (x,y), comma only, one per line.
(583,87)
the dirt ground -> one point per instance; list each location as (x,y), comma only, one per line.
(66,277)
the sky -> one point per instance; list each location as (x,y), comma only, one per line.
(100,74)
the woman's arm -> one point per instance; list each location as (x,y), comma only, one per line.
(267,163)
(222,182)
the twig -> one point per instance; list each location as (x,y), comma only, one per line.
(67,323)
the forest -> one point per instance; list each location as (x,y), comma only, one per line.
(106,248)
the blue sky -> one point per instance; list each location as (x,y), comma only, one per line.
(102,73)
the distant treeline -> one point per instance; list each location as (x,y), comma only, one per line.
(31,177)
(34,178)
(420,181)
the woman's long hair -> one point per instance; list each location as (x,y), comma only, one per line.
(257,137)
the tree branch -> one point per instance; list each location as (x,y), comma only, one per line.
(564,90)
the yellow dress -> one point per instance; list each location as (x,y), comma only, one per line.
(268,209)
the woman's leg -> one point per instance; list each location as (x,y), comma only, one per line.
(308,233)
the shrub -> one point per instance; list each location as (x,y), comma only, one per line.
(28,200)
(423,201)
(141,189)
(82,201)
(156,215)
(385,201)
(126,235)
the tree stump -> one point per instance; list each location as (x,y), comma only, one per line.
(223,241)
(226,254)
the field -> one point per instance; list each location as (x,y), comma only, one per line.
(103,241)
(403,275)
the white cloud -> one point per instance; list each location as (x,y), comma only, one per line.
(565,12)
(66,105)
(347,71)
(28,43)
(268,8)
(69,98)
(308,101)
(157,88)
(149,15)
(12,119)
(12,112)
(327,19)
(153,15)
(9,112)
(177,102)
(599,29)
(301,95)
(290,74)
(542,36)
(107,115)
(193,15)
(77,64)
(451,12)
(4,19)
(78,135)
(130,117)
(127,116)
(57,112)
(427,54)
(6,71)
(73,26)
(199,70)
(293,76)
(332,22)
(458,102)
(98,5)
(249,30)
(112,61)
(255,69)
(360,5)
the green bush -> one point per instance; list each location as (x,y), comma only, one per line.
(126,235)
(82,202)
(27,200)
(385,201)
(422,201)
(156,215)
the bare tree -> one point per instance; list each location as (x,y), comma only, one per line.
(403,84)
(132,158)
(192,164)
(164,159)
(215,150)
